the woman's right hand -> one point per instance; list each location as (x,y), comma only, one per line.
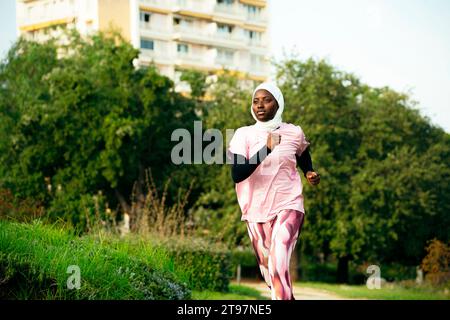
(273,139)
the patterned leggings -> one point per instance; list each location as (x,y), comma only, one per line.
(273,242)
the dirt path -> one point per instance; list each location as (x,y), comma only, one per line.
(300,292)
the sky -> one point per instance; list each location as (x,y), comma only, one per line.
(403,44)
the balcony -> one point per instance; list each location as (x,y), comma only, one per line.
(193,8)
(228,63)
(257,19)
(152,27)
(158,56)
(46,23)
(189,57)
(228,9)
(200,61)
(231,12)
(256,43)
(192,35)
(42,15)
(259,3)
(161,6)
(229,40)
(207,36)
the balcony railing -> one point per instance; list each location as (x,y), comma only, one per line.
(256,18)
(193,5)
(188,33)
(157,55)
(197,35)
(157,3)
(188,29)
(189,57)
(225,8)
(229,62)
(255,42)
(149,27)
(230,10)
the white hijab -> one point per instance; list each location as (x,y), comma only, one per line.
(277,120)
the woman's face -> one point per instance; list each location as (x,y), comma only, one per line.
(264,105)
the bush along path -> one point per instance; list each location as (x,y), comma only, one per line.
(40,262)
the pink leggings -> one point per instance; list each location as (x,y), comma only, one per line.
(273,242)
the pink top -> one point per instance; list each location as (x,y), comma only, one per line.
(275,184)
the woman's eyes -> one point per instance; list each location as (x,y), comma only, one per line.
(266,100)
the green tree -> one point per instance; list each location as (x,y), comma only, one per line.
(216,210)
(197,81)
(374,151)
(81,118)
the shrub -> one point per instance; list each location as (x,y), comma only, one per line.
(200,264)
(86,212)
(436,263)
(311,270)
(245,257)
(203,265)
(17,209)
(397,272)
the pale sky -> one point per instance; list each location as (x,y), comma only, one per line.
(403,44)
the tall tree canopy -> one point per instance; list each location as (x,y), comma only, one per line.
(81,118)
(384,166)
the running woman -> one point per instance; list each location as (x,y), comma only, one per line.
(269,189)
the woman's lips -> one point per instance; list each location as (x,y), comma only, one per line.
(260,113)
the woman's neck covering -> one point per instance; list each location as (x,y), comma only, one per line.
(277,120)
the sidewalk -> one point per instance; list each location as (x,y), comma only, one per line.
(300,292)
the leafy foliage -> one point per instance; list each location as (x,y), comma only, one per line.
(80,118)
(382,165)
(107,270)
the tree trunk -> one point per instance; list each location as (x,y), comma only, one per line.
(342,270)
(123,203)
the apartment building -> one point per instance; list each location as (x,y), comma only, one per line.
(206,35)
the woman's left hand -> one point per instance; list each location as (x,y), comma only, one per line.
(313,177)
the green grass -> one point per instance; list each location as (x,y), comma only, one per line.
(34,259)
(237,292)
(387,292)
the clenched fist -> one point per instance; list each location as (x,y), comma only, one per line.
(313,177)
(273,139)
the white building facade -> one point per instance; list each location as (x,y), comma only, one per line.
(207,35)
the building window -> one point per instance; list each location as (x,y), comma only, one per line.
(182,48)
(147,44)
(225,55)
(183,23)
(225,2)
(252,10)
(224,29)
(253,36)
(144,16)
